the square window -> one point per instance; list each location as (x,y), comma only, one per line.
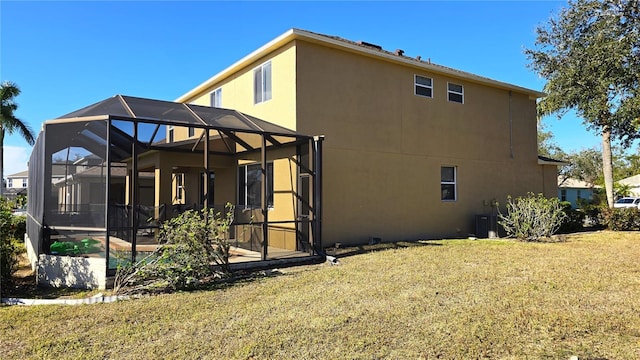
(448,184)
(455,92)
(423,86)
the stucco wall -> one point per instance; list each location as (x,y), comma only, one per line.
(385,146)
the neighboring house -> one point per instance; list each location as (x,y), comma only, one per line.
(18,180)
(572,190)
(634,184)
(413,150)
(18,183)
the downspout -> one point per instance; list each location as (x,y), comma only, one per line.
(510,125)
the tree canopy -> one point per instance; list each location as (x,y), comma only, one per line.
(590,56)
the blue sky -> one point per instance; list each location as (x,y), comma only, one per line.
(67,55)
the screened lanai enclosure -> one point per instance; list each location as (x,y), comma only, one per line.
(104,178)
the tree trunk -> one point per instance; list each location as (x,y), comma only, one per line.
(607,164)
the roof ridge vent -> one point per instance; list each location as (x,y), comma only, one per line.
(399,52)
(378,47)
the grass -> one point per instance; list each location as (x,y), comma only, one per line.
(451,299)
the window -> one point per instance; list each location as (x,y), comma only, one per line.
(579,194)
(216,98)
(24,183)
(170,136)
(250,185)
(262,83)
(423,86)
(10,183)
(448,183)
(179,181)
(455,93)
(192,131)
(563,195)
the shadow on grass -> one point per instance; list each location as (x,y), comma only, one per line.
(362,249)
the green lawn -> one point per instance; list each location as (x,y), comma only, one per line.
(454,299)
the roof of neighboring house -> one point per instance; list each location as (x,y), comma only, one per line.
(564,182)
(20,174)
(631,180)
(362,48)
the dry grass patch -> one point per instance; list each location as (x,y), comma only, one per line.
(448,299)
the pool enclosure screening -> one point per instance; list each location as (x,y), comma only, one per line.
(103,178)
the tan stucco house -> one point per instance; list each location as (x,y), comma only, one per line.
(412,149)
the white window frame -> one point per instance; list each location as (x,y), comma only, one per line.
(170,133)
(454,183)
(216,97)
(24,183)
(191,132)
(180,187)
(264,92)
(454,92)
(416,86)
(10,182)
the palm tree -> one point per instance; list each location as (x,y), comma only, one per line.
(9,123)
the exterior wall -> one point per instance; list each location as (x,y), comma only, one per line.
(68,271)
(384,147)
(237,94)
(16,182)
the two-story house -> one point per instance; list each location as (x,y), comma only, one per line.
(413,150)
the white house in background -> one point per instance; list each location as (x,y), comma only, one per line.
(18,180)
(572,190)
(634,184)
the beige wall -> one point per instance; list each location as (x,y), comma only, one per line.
(384,146)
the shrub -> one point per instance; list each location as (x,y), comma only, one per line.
(574,219)
(194,251)
(621,219)
(9,249)
(532,217)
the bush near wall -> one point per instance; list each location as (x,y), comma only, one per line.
(532,217)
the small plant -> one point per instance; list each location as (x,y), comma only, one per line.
(532,217)
(194,250)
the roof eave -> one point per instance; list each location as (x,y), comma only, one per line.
(293,34)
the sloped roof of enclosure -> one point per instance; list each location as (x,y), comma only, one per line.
(173,113)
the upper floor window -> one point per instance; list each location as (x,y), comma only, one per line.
(24,183)
(563,195)
(192,131)
(262,83)
(170,133)
(423,86)
(455,93)
(250,185)
(216,98)
(10,183)
(448,183)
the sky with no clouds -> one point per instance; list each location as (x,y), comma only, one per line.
(65,55)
